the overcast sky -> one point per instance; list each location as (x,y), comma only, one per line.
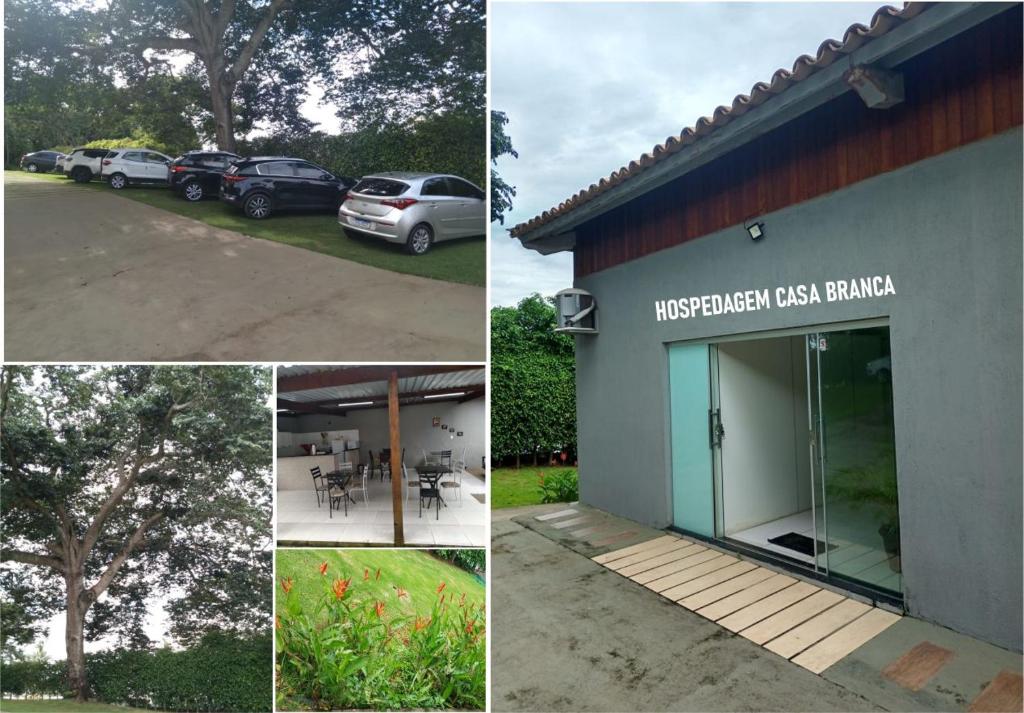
(589,87)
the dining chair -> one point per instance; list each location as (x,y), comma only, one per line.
(385,463)
(431,491)
(336,493)
(319,484)
(359,483)
(458,468)
(409,484)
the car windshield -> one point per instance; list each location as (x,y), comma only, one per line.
(380,187)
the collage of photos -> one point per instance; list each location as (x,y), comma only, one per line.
(525,356)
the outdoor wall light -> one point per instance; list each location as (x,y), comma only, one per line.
(878,88)
(755,229)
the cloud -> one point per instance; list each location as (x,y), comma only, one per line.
(589,87)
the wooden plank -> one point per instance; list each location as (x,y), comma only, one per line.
(846,640)
(1003,694)
(817,628)
(915,668)
(572,522)
(749,615)
(790,617)
(631,550)
(699,570)
(676,553)
(708,580)
(720,591)
(739,600)
(694,556)
(556,515)
(650,553)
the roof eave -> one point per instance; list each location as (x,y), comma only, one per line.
(932,27)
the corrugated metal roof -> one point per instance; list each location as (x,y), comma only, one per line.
(883,21)
(453,380)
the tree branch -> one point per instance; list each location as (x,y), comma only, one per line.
(224,17)
(115,565)
(169,43)
(245,56)
(31,558)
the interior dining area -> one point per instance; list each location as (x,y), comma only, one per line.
(381,455)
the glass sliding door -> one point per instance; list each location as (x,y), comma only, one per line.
(854,456)
(691,428)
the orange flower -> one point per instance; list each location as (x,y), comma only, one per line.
(378,573)
(421,622)
(440,587)
(469,627)
(286,584)
(462,599)
(366,574)
(401,593)
(340,587)
(379,607)
(323,568)
(277,622)
(442,598)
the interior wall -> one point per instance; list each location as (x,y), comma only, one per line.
(415,427)
(761,401)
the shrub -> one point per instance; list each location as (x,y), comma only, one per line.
(352,653)
(471,560)
(559,486)
(221,673)
(138,140)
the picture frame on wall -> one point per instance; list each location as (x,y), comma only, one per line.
(435,421)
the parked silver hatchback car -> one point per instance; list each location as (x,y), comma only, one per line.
(416,209)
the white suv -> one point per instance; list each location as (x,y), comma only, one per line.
(83,165)
(123,167)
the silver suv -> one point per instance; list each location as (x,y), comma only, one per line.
(83,165)
(415,209)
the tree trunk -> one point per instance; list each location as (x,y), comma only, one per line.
(74,638)
(223,115)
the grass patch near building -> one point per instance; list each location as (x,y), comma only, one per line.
(58,705)
(463,261)
(512,488)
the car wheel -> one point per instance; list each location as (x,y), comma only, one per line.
(118,181)
(421,237)
(32,168)
(81,175)
(193,191)
(257,206)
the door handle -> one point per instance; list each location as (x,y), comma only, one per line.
(716,431)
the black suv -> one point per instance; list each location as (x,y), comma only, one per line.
(196,174)
(263,184)
(41,161)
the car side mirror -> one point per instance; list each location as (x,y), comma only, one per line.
(327,177)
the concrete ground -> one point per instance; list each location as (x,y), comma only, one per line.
(91,275)
(568,634)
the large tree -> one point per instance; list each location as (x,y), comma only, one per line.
(124,484)
(501,145)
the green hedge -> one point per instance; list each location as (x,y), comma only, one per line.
(451,143)
(222,673)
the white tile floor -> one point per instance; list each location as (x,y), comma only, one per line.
(461,524)
(867,564)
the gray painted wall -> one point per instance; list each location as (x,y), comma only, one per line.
(948,230)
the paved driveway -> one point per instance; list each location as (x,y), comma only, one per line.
(570,635)
(93,276)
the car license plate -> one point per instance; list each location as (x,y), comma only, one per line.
(360,223)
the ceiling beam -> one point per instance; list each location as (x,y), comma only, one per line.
(476,389)
(346,376)
(468,393)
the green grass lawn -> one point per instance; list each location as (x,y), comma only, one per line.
(512,488)
(61,706)
(416,572)
(463,261)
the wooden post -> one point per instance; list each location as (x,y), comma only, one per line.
(396,459)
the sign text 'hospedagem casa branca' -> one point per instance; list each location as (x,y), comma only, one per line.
(779,298)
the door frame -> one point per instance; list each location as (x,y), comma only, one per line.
(810,571)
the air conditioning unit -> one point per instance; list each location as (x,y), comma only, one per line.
(576,312)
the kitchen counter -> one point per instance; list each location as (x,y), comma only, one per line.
(293,471)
